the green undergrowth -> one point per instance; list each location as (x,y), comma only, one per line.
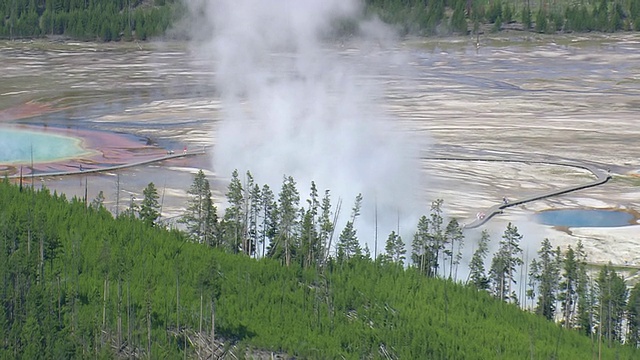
(76,281)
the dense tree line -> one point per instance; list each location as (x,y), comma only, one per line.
(461,16)
(557,285)
(108,20)
(77,282)
(105,20)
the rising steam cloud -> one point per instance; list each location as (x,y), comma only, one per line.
(295,103)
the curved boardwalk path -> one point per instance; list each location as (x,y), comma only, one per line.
(602,176)
(109,168)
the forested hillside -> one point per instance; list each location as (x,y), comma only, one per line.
(78,283)
(109,20)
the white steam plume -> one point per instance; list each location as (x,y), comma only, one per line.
(295,104)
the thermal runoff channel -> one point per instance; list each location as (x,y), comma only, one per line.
(299,102)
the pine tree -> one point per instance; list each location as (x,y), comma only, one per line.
(498,275)
(149,206)
(497,25)
(253,207)
(234,215)
(308,239)
(98,202)
(201,218)
(612,297)
(288,202)
(348,245)
(366,252)
(633,316)
(548,280)
(541,21)
(533,283)
(458,20)
(507,14)
(313,202)
(395,250)
(436,241)
(211,228)
(476,267)
(568,288)
(267,229)
(326,225)
(526,18)
(453,235)
(584,295)
(504,263)
(311,249)
(421,254)
(132,210)
(615,18)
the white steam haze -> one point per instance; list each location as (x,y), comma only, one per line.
(295,103)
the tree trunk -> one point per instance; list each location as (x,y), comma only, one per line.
(41,267)
(287,253)
(510,275)
(59,300)
(129,340)
(104,300)
(149,326)
(178,304)
(118,195)
(451,260)
(119,326)
(213,326)
(200,328)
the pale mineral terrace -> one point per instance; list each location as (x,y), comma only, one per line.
(566,96)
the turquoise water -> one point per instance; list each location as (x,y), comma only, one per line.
(17,146)
(585,218)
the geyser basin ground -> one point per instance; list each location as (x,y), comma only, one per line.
(28,145)
(568,96)
(573,218)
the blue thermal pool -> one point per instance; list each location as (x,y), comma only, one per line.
(19,146)
(585,218)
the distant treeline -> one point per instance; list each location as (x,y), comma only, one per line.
(113,20)
(545,16)
(106,20)
(75,282)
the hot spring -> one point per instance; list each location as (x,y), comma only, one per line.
(586,218)
(21,146)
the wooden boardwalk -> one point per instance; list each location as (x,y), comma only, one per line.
(109,168)
(602,176)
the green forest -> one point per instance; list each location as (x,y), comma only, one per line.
(443,17)
(266,275)
(127,20)
(94,20)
